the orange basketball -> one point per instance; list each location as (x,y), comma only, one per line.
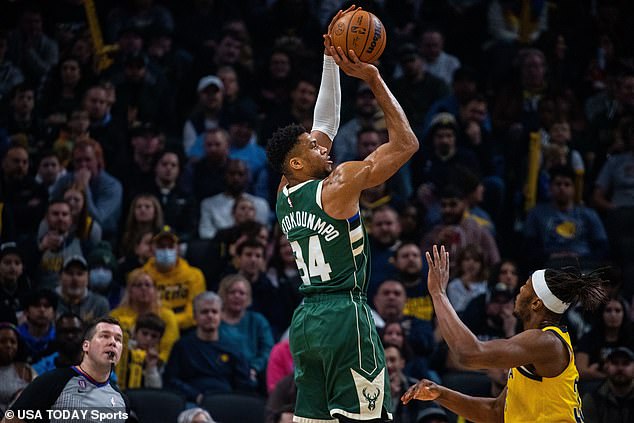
(362,32)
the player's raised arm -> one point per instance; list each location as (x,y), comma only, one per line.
(391,156)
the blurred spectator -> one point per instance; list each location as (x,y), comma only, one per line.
(137,169)
(67,345)
(103,191)
(243,146)
(399,384)
(179,207)
(456,231)
(282,268)
(562,229)
(61,92)
(367,112)
(49,170)
(464,85)
(516,104)
(83,226)
(389,303)
(471,277)
(300,109)
(77,128)
(475,192)
(46,254)
(445,159)
(490,316)
(613,402)
(280,364)
(141,94)
(14,284)
(245,328)
(21,123)
(140,254)
(276,303)
(74,295)
(144,215)
(29,48)
(25,197)
(141,297)
(12,75)
(437,61)
(236,101)
(612,329)
(508,25)
(140,14)
(408,262)
(107,130)
(16,374)
(384,234)
(202,361)
(215,212)
(417,89)
(102,270)
(178,282)
(207,175)
(38,330)
(195,415)
(201,21)
(141,366)
(507,273)
(208,113)
(275,82)
(613,196)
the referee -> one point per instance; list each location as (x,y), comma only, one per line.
(82,393)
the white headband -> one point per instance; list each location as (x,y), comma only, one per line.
(540,287)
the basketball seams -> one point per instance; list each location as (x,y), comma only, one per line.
(362,37)
(367,35)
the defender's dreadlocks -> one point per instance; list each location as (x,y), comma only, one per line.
(280,144)
(572,286)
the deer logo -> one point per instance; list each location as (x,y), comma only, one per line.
(371,398)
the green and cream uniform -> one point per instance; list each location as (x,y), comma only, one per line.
(339,361)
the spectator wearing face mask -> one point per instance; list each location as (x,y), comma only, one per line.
(177,281)
(102,270)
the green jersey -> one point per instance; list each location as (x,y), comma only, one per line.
(332,255)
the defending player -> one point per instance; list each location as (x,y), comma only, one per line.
(542,382)
(339,363)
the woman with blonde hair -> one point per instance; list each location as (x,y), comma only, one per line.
(140,297)
(248,329)
(145,215)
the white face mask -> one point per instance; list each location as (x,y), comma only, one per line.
(100,278)
(166,257)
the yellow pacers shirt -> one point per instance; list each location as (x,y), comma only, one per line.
(532,398)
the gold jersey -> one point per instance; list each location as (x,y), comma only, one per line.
(532,398)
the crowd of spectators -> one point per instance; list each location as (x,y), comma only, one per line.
(138,186)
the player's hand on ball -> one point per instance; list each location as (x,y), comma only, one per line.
(425,390)
(327,37)
(353,66)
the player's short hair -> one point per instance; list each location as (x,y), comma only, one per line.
(280,144)
(91,327)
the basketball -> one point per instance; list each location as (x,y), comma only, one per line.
(362,32)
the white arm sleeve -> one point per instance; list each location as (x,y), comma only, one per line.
(328,105)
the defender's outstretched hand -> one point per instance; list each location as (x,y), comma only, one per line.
(438,275)
(425,390)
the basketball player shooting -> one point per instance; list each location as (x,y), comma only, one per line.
(542,382)
(339,363)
